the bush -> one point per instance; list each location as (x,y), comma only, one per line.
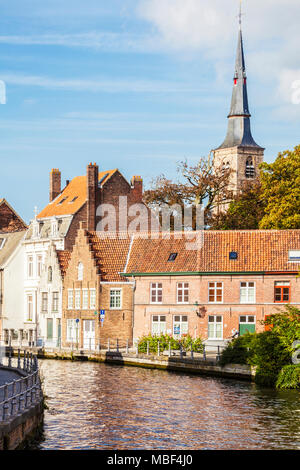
(289,377)
(238,351)
(164,341)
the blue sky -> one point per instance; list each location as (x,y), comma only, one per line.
(137,85)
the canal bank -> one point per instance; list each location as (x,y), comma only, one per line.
(21,403)
(192,365)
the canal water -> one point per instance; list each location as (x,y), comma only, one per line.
(99,406)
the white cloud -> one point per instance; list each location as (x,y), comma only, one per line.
(106,86)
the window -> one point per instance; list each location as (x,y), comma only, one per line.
(85,299)
(54,228)
(70,299)
(294,255)
(62,201)
(44,302)
(182,293)
(92,299)
(233,255)
(115,298)
(72,330)
(29,307)
(172,256)
(247,324)
(30,266)
(159,325)
(80,272)
(50,274)
(77,299)
(2,241)
(250,170)
(247,292)
(156,293)
(73,200)
(180,325)
(49,328)
(282,292)
(39,265)
(215,327)
(55,301)
(215,292)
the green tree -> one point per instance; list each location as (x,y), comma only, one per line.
(245,212)
(281,190)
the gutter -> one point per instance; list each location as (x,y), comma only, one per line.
(215,273)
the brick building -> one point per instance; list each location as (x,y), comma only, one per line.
(227,281)
(92,283)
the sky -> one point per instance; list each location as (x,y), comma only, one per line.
(138,85)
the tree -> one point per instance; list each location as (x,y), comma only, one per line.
(202,184)
(281,190)
(245,212)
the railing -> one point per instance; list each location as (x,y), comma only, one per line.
(23,393)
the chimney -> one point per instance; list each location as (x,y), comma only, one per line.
(137,188)
(55,184)
(92,186)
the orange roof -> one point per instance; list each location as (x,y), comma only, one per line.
(64,257)
(110,255)
(257,251)
(73,196)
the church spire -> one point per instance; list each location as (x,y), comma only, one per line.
(239,130)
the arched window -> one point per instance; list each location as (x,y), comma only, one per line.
(225,167)
(250,170)
(50,274)
(80,272)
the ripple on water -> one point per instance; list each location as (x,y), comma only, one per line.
(96,406)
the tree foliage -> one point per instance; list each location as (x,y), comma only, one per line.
(281,191)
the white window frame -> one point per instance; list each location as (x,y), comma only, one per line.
(29,306)
(247,322)
(247,287)
(115,295)
(215,290)
(72,326)
(30,266)
(85,299)
(159,323)
(294,256)
(45,302)
(92,299)
(215,338)
(184,289)
(154,288)
(55,302)
(80,269)
(183,326)
(39,264)
(77,299)
(70,299)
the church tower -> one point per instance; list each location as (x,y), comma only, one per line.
(239,150)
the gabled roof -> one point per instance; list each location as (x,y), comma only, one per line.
(257,251)
(73,196)
(110,255)
(8,244)
(16,223)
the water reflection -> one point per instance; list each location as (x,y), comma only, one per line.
(96,406)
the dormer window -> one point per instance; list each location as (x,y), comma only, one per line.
(294,255)
(80,272)
(62,201)
(54,228)
(250,170)
(172,256)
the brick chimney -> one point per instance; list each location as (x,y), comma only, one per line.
(92,186)
(137,188)
(55,184)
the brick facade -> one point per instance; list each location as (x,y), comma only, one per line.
(118,321)
(9,220)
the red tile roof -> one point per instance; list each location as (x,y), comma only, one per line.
(73,196)
(110,255)
(257,251)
